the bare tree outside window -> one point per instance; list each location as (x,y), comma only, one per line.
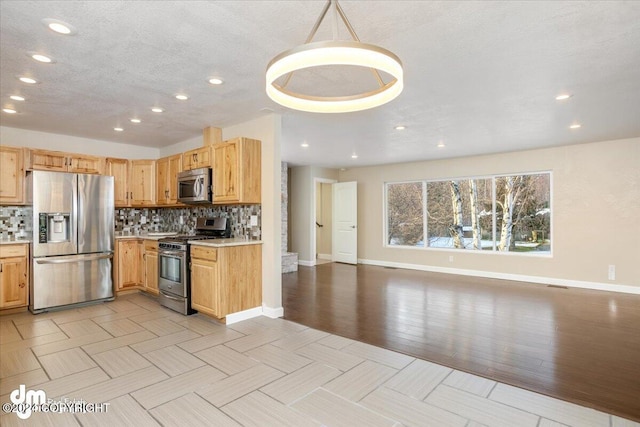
(405,214)
(461,213)
(523,204)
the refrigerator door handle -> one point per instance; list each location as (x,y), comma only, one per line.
(72,260)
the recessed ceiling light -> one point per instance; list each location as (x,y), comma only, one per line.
(354,156)
(41,58)
(135,120)
(9,110)
(563,96)
(304,145)
(440,144)
(118,129)
(157,110)
(400,127)
(182,97)
(575,126)
(17,97)
(59,27)
(215,81)
(28,80)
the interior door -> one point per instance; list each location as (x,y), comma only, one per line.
(345,222)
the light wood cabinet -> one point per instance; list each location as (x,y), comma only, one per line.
(119,170)
(142,182)
(167,170)
(151,266)
(226,280)
(11,175)
(58,161)
(134,181)
(14,276)
(237,171)
(129,269)
(198,158)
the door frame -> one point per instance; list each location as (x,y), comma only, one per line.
(314,228)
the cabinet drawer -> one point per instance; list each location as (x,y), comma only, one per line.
(151,245)
(7,251)
(202,252)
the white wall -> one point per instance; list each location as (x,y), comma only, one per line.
(182,146)
(73,144)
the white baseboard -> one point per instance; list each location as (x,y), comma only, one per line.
(273,313)
(243,315)
(325,256)
(627,289)
(306,263)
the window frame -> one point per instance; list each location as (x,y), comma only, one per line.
(494,206)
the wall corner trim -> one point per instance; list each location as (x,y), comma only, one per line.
(243,315)
(271,312)
(610,287)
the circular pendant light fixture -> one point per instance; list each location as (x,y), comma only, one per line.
(329,53)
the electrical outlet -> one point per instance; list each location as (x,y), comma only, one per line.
(254,220)
(612,272)
(450,258)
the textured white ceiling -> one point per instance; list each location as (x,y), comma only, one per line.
(479,76)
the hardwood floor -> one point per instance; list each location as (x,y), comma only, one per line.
(578,345)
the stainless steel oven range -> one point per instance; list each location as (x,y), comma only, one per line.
(174,276)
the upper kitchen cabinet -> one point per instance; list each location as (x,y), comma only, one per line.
(134,181)
(167,170)
(198,158)
(119,170)
(142,182)
(11,175)
(237,170)
(58,161)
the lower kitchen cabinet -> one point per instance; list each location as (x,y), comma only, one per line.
(226,279)
(14,276)
(129,271)
(136,265)
(150,259)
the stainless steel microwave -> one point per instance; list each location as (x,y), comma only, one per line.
(195,186)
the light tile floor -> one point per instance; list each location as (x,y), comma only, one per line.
(156,367)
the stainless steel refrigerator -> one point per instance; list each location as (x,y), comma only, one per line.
(73,222)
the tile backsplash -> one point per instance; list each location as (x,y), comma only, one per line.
(183,220)
(16,222)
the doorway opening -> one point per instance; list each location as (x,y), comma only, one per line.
(321,242)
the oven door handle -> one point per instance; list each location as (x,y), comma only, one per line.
(173,298)
(171,253)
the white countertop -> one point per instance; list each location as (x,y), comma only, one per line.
(15,242)
(145,236)
(221,243)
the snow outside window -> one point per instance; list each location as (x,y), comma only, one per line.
(506,213)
